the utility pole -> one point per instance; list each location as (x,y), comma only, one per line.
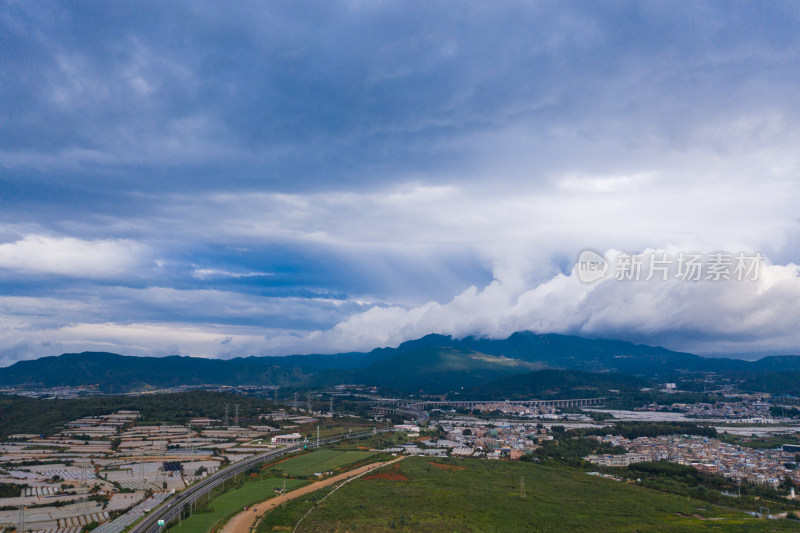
(317,435)
(226,414)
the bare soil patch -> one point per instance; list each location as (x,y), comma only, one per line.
(441,466)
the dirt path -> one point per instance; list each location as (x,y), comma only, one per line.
(242,522)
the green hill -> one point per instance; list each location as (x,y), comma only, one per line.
(552,384)
(117,373)
(431,369)
(776,383)
(434,363)
(598,355)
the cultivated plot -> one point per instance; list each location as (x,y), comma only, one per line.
(320,461)
(233,501)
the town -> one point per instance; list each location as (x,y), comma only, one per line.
(109,471)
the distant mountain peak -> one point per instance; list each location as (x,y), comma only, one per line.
(434,362)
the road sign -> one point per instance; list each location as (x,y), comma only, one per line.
(160,522)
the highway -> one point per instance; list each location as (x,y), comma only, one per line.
(168,511)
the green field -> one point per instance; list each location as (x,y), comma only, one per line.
(320,461)
(480,495)
(232,502)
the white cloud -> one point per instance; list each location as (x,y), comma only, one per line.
(69,256)
(702,317)
(212,273)
(694,316)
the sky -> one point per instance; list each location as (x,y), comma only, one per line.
(265,178)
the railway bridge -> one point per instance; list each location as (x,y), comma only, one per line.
(471,404)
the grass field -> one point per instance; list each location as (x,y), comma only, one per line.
(339,427)
(320,461)
(471,495)
(232,502)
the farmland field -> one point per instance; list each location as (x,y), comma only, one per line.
(420,494)
(233,501)
(320,461)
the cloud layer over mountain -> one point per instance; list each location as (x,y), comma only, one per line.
(194,178)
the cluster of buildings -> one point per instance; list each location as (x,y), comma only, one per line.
(87,391)
(52,392)
(741,409)
(744,412)
(540,412)
(97,468)
(760,466)
(472,437)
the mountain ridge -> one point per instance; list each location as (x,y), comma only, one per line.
(433,363)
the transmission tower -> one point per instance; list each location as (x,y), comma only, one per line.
(331,409)
(226,414)
(308,403)
(236,420)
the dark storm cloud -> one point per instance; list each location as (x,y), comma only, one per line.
(320,159)
(169,96)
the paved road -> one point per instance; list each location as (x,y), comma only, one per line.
(169,510)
